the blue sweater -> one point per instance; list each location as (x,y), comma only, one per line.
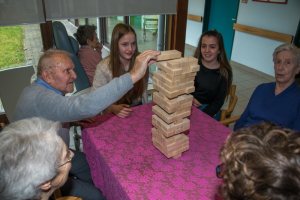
(283,109)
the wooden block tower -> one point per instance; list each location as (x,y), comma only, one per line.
(173,82)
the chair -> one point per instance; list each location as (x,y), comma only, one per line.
(65,42)
(58,196)
(226,114)
(12,82)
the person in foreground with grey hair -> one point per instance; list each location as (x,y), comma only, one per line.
(46,98)
(279,101)
(34,161)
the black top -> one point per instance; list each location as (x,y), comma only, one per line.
(210,88)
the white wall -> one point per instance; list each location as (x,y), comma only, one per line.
(255,51)
(193,28)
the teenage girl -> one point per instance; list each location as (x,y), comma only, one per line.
(123,52)
(214,79)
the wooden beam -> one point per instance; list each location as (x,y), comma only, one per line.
(264,33)
(179,26)
(46,32)
(169,29)
(3,118)
(194,18)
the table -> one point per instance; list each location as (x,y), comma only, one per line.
(125,165)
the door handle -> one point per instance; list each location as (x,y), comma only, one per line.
(233,19)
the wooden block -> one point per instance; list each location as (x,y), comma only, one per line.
(171,146)
(178,63)
(165,92)
(178,66)
(178,121)
(177,156)
(175,91)
(162,76)
(164,140)
(182,62)
(193,61)
(194,68)
(170,118)
(179,77)
(170,129)
(173,72)
(189,90)
(172,105)
(168,55)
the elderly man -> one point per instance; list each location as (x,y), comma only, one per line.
(45,98)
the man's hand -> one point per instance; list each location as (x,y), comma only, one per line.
(141,64)
(81,122)
(99,47)
(122,110)
(196,103)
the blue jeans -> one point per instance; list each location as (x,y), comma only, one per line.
(217,116)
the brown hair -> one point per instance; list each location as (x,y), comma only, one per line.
(225,68)
(85,32)
(262,162)
(116,67)
(46,61)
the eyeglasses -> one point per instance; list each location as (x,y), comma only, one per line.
(69,160)
(220,170)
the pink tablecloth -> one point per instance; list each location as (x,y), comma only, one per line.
(125,165)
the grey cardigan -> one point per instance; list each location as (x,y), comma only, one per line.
(38,101)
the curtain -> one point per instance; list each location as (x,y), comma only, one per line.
(72,9)
(15,12)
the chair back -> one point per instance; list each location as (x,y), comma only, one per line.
(12,82)
(232,102)
(65,42)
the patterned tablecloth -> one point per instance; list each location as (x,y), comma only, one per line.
(125,165)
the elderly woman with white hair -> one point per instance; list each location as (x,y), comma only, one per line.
(34,161)
(279,101)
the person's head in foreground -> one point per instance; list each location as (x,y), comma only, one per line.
(86,35)
(261,162)
(34,161)
(57,69)
(286,60)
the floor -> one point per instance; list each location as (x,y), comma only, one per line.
(246,81)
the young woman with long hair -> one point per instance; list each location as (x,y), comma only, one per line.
(123,52)
(214,79)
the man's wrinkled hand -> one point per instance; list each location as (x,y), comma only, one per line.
(141,64)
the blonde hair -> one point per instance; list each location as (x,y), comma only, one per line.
(262,162)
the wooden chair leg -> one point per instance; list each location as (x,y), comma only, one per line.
(57,193)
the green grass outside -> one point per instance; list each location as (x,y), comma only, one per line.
(12,48)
